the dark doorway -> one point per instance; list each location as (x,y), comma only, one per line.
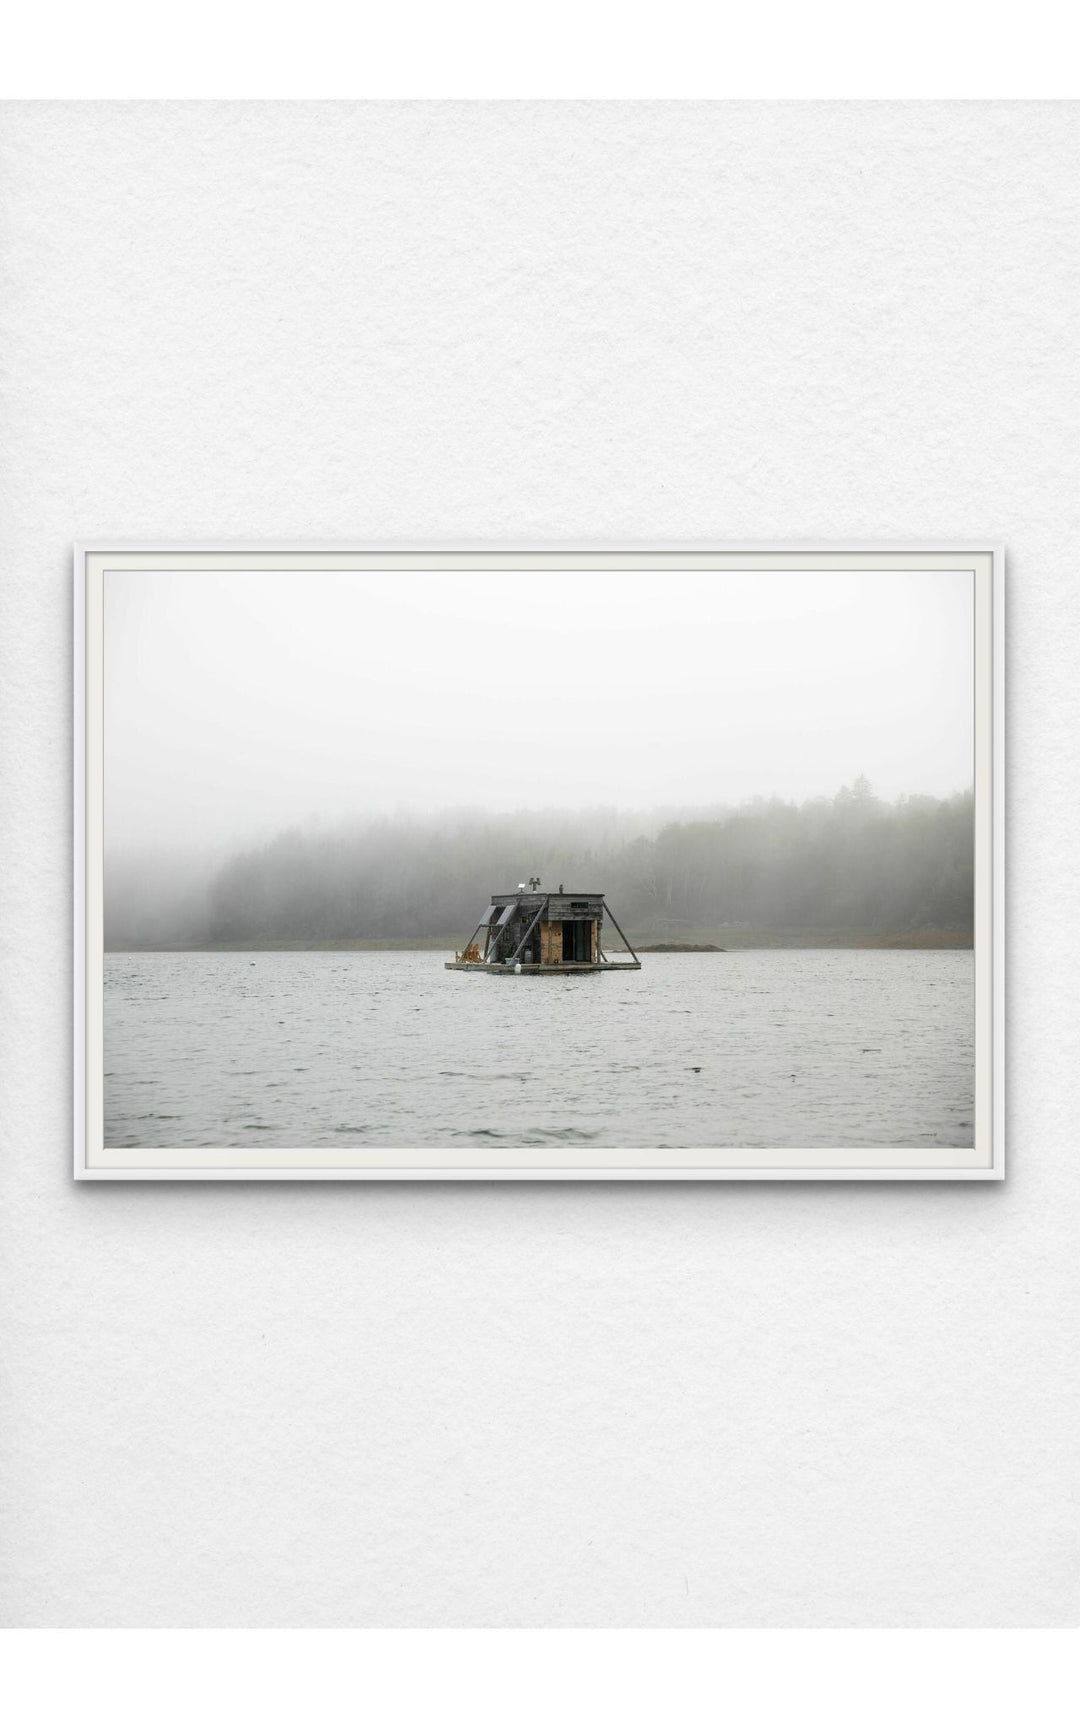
(577,940)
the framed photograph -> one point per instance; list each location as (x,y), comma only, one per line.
(473,862)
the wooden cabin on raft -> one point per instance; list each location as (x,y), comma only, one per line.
(530,931)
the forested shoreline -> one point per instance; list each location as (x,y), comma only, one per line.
(769,871)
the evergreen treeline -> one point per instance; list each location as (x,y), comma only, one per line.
(849,863)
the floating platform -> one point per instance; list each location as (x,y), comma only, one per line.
(531,932)
(509,971)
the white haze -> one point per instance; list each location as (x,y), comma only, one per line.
(238,703)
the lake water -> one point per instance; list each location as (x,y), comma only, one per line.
(783,1047)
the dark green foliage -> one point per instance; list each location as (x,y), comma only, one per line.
(849,862)
(832,864)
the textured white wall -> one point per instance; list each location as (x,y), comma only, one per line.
(540,1405)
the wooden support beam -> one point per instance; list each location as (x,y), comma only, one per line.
(527,934)
(496,927)
(620,929)
(473,937)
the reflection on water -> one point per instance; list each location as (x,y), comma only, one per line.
(778,1048)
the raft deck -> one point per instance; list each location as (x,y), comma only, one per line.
(508,970)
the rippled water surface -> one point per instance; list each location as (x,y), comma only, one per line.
(759,1048)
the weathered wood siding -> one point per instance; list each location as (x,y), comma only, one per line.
(574,906)
(558,905)
(551,942)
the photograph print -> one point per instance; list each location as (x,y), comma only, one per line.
(667,864)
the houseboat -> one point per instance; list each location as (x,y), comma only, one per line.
(533,931)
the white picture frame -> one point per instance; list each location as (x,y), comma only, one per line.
(983,1161)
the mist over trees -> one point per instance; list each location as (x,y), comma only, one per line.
(850,863)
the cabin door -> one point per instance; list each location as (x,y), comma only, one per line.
(577,940)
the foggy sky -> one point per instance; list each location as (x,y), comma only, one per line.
(239,702)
